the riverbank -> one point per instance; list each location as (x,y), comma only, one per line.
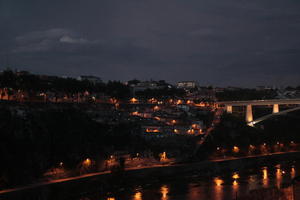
(55,188)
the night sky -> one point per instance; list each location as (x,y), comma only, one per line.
(217,42)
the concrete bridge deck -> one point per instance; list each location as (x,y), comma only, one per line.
(249,115)
(260,102)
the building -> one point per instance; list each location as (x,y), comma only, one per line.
(142,86)
(187,84)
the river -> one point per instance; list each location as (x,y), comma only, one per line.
(227,186)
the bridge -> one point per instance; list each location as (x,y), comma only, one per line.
(248,104)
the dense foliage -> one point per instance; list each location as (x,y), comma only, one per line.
(35,83)
(34,139)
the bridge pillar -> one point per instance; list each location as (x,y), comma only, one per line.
(275,108)
(249,115)
(228,108)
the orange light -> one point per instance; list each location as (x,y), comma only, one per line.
(152,130)
(200,105)
(218,181)
(112,100)
(156,108)
(164,191)
(235,176)
(157,118)
(191,131)
(235,183)
(136,113)
(163,156)
(278,173)
(293,172)
(265,173)
(152,100)
(138,196)
(236,149)
(189,102)
(87,162)
(133,100)
(179,102)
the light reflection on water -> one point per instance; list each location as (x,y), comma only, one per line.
(216,188)
(265,177)
(137,196)
(278,177)
(164,192)
(293,172)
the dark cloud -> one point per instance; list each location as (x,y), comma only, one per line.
(233,42)
(47,40)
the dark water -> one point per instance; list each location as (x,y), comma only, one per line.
(230,185)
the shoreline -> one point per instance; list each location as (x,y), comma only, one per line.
(157,171)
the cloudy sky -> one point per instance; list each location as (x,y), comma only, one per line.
(232,42)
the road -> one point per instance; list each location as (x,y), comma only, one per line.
(260,102)
(215,121)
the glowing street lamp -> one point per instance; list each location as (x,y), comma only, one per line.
(179,101)
(133,100)
(87,162)
(156,108)
(235,176)
(218,181)
(236,149)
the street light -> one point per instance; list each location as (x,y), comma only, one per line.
(87,162)
(236,149)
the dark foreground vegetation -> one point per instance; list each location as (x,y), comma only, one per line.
(36,138)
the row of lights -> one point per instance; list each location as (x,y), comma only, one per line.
(171,101)
(88,162)
(236,148)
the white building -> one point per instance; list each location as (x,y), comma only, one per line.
(187,84)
